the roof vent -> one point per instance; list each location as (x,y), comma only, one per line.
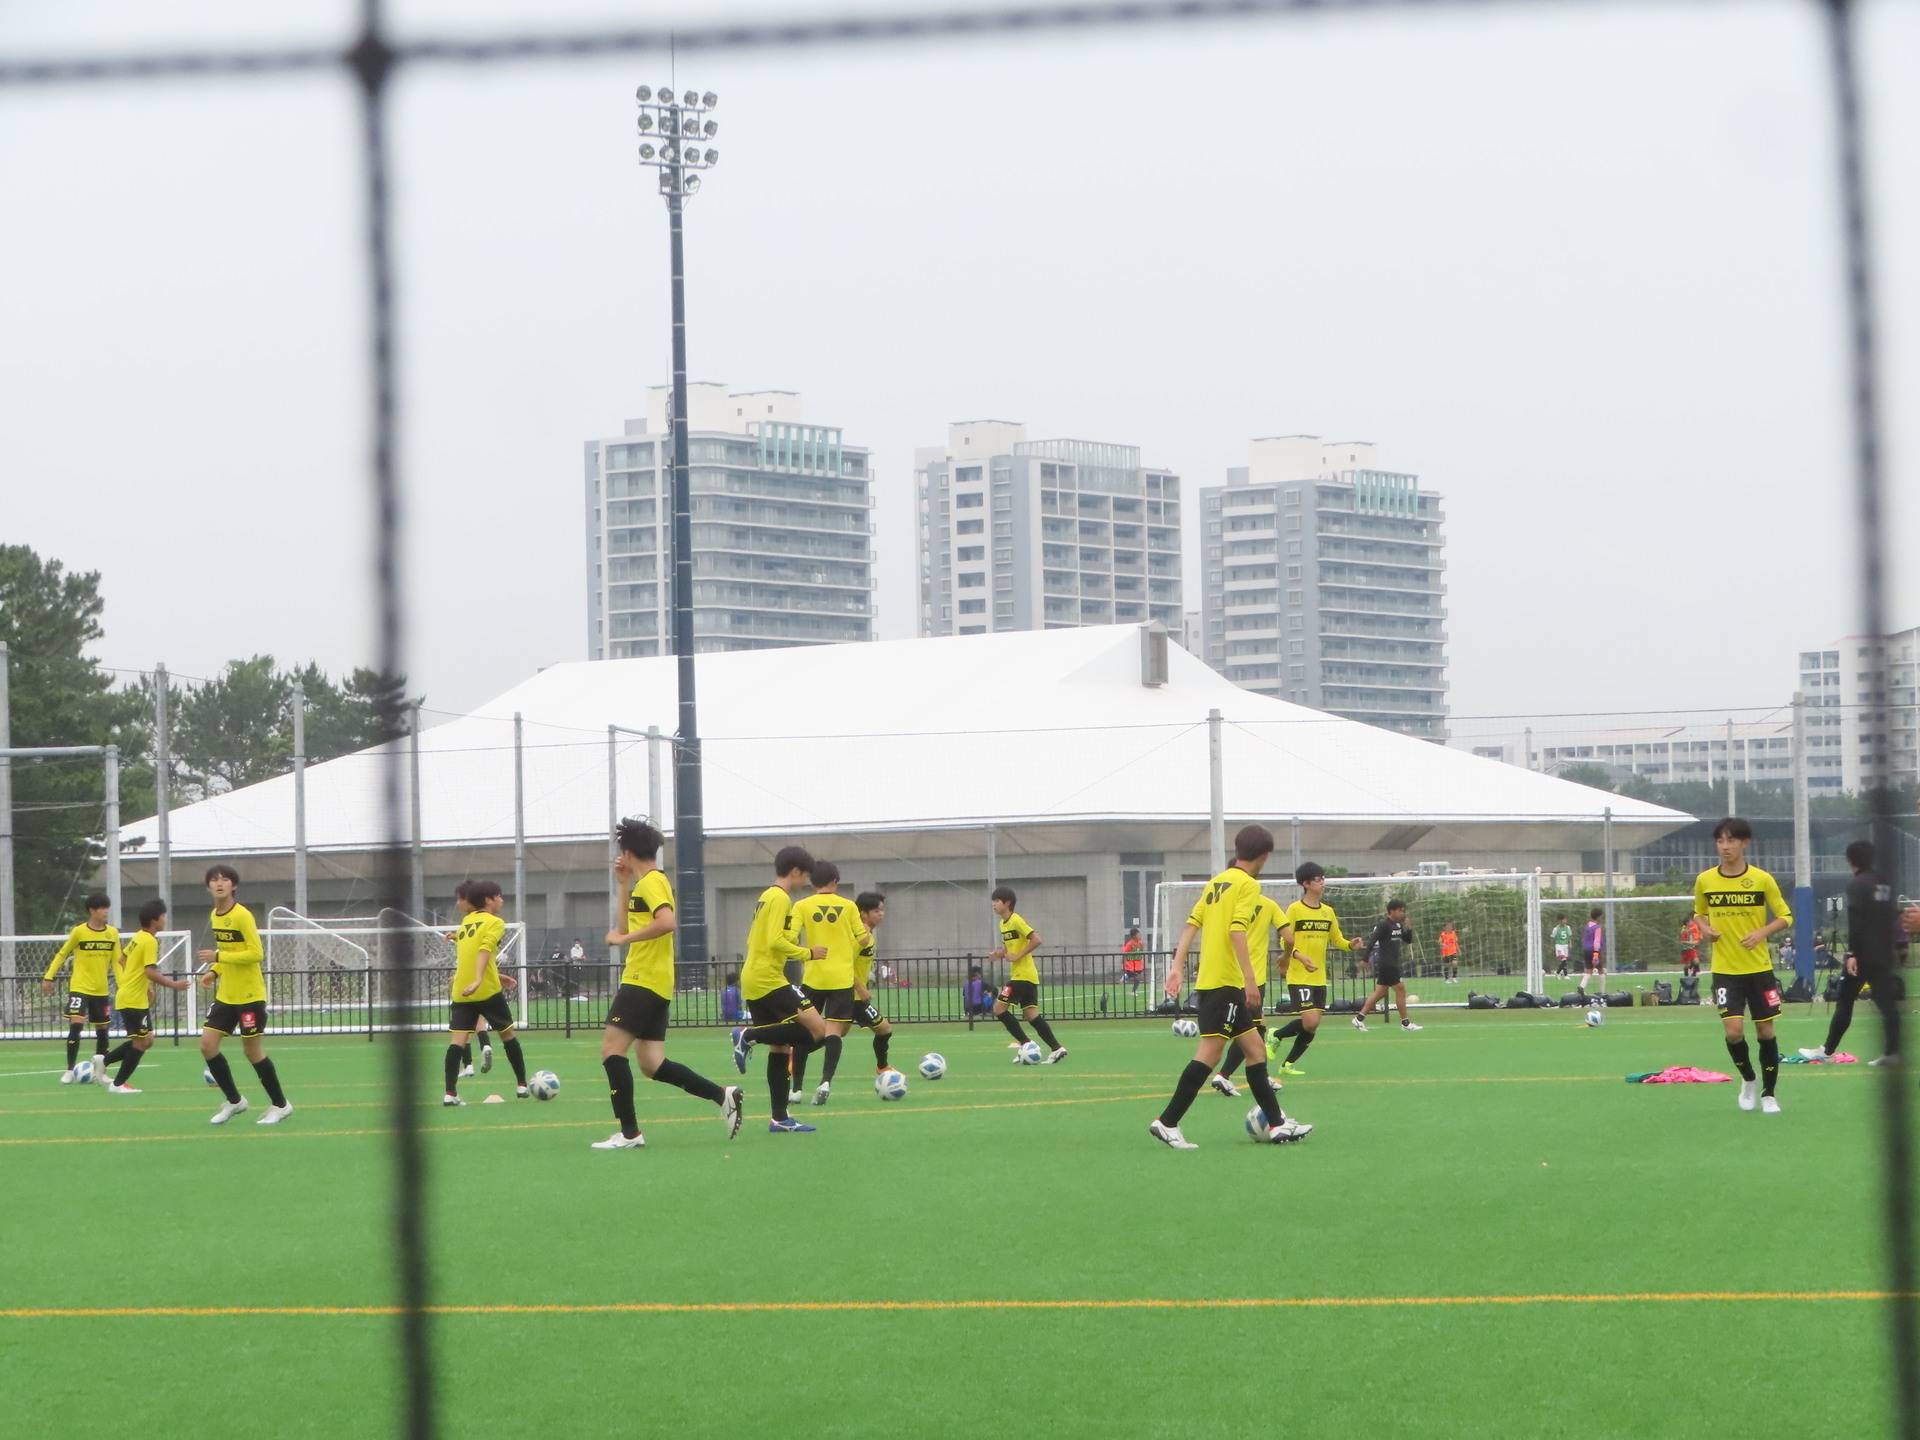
(1153,654)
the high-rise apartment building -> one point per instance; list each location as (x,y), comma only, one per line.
(1323,584)
(1019,534)
(782,528)
(1854,723)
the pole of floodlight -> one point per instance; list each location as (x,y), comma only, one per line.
(667,125)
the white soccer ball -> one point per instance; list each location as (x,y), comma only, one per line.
(1030,1053)
(207,1075)
(1596,1016)
(543,1085)
(932,1067)
(1186,1029)
(83,1073)
(890,1085)
(1257,1129)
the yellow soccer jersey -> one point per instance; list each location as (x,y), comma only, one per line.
(1737,905)
(1015,932)
(1315,930)
(238,941)
(92,951)
(1227,905)
(135,990)
(832,921)
(863,966)
(649,962)
(769,945)
(479,934)
(1266,915)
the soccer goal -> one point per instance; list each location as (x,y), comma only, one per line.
(1640,935)
(1471,932)
(348,976)
(27,1014)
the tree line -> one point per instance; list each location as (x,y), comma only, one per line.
(229,730)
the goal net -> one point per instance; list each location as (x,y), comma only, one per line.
(28,1014)
(1640,935)
(352,976)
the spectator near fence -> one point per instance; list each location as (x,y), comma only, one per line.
(1133,962)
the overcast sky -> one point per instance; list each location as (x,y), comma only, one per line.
(1575,266)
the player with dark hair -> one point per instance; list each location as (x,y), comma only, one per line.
(240,1003)
(1732,900)
(1873,922)
(452,937)
(831,922)
(477,993)
(1268,921)
(1593,950)
(1018,941)
(1228,989)
(872,906)
(637,1019)
(1388,936)
(93,946)
(1314,929)
(783,1018)
(136,971)
(1562,938)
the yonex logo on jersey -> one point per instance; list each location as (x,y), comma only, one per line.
(1735,899)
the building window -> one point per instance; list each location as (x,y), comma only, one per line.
(1003,582)
(973,580)
(973,629)
(1293,522)
(969,527)
(1293,497)
(969,500)
(1003,502)
(972,552)
(1293,597)
(1294,622)
(1293,572)
(973,607)
(1293,547)
(946,612)
(1003,607)
(967,472)
(1003,555)
(1296,672)
(1213,527)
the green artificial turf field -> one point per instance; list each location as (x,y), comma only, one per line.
(1493,1155)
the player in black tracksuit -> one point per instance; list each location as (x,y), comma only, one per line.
(1873,924)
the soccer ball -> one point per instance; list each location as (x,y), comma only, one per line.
(1596,1017)
(1030,1053)
(207,1075)
(1257,1130)
(932,1067)
(83,1072)
(890,1085)
(543,1085)
(1186,1029)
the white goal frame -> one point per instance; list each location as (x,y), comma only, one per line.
(175,959)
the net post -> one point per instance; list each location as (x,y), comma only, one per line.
(1536,954)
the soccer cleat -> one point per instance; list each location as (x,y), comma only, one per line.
(66,1077)
(1409,1025)
(114,1087)
(1287,1067)
(1059,1054)
(821,1092)
(794,1097)
(1769,1105)
(742,1043)
(1360,1025)
(466,1072)
(730,1109)
(788,1127)
(617,1141)
(1288,1131)
(227,1111)
(101,1069)
(1883,1060)
(276,1113)
(1225,1086)
(1170,1136)
(486,1058)
(520,1092)
(451,1100)
(1815,1053)
(1749,1094)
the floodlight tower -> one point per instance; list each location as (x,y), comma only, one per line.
(672,135)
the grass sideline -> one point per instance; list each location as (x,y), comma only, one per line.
(1488,1235)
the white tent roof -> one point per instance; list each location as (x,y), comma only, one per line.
(1032,728)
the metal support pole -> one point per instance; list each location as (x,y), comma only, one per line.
(7,926)
(1294,827)
(1804,920)
(1216,798)
(112,828)
(1733,799)
(1526,753)
(1536,952)
(162,789)
(520,840)
(300,800)
(616,902)
(418,897)
(653,776)
(1607,942)
(993,873)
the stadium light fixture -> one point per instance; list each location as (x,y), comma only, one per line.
(679,124)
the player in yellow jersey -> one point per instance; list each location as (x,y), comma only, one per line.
(1268,920)
(92,946)
(637,1019)
(834,981)
(1314,930)
(476,991)
(240,1003)
(1228,989)
(783,1018)
(1731,902)
(1022,990)
(873,910)
(135,972)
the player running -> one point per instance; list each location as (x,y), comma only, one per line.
(1732,900)
(1022,990)
(1260,932)
(1313,929)
(1388,936)
(783,1018)
(239,1004)
(831,922)
(1228,990)
(637,1019)
(93,945)
(1872,922)
(135,972)
(1562,939)
(477,993)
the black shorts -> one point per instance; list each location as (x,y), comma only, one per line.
(1224,1011)
(1308,997)
(465,1014)
(86,1009)
(138,1021)
(832,1004)
(641,1012)
(783,1002)
(1388,975)
(1593,962)
(249,1017)
(1758,993)
(867,1015)
(1019,994)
